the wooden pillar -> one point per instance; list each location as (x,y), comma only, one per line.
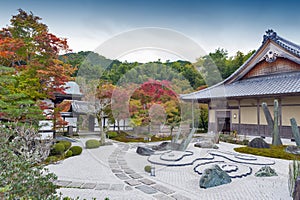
(91,123)
(258,117)
(239,126)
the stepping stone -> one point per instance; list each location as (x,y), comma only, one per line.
(135,176)
(122,176)
(132,182)
(116,187)
(146,189)
(180,197)
(102,186)
(75,185)
(89,186)
(122,162)
(62,183)
(111,165)
(128,188)
(163,189)
(124,166)
(162,197)
(116,170)
(129,171)
(147,181)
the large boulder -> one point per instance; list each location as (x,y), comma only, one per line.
(166,146)
(144,151)
(206,144)
(214,176)
(266,171)
(258,143)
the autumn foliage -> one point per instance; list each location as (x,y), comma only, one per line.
(147,98)
(27,46)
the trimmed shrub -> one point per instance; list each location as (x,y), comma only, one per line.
(68,154)
(67,144)
(111,134)
(92,144)
(57,149)
(51,159)
(76,150)
(147,168)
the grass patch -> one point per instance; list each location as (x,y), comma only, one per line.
(272,152)
(124,137)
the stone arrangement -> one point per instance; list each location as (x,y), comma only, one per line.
(295,131)
(214,176)
(273,123)
(258,143)
(144,151)
(266,171)
(206,144)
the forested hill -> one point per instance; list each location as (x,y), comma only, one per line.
(95,66)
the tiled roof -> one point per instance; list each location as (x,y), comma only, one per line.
(287,45)
(83,107)
(287,83)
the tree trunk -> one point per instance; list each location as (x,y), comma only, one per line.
(118,123)
(102,132)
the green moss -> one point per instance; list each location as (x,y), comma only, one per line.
(76,150)
(92,144)
(124,137)
(147,168)
(51,159)
(273,152)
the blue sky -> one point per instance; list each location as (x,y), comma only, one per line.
(233,25)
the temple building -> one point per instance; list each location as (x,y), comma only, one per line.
(272,72)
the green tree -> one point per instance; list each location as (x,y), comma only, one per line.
(16,105)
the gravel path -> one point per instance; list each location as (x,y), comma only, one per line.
(117,172)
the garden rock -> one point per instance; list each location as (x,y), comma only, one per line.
(266,171)
(206,144)
(166,146)
(293,149)
(144,151)
(258,143)
(214,176)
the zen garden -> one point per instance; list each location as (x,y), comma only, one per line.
(83,126)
